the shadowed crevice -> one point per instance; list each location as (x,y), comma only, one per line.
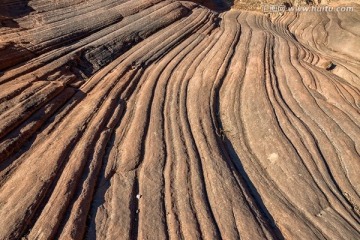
(250,186)
(10,9)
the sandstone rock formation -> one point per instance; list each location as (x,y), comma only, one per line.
(163,119)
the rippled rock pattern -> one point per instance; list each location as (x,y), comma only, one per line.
(162,119)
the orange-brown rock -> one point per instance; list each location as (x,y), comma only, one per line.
(163,119)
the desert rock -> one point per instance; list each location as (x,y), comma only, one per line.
(165,119)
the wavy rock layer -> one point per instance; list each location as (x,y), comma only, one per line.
(165,120)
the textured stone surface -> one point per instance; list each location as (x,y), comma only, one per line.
(163,119)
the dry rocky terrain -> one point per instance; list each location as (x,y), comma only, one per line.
(166,119)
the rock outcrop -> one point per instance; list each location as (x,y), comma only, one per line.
(163,119)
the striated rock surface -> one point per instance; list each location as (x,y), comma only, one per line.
(163,119)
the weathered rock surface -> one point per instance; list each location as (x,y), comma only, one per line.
(163,119)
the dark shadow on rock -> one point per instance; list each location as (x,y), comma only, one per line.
(42,118)
(92,59)
(11,9)
(250,186)
(12,54)
(50,186)
(235,163)
(216,5)
(103,183)
(9,23)
(331,66)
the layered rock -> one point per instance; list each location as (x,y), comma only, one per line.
(161,119)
